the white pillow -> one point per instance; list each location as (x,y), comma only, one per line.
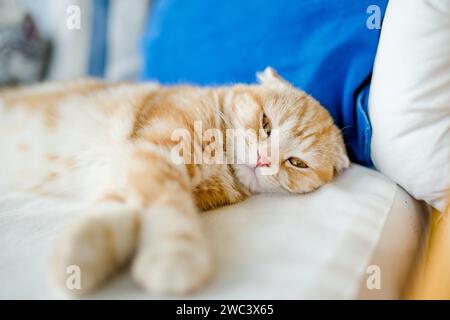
(409,103)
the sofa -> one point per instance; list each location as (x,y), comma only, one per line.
(359,237)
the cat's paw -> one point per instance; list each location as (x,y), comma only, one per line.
(79,259)
(91,250)
(177,267)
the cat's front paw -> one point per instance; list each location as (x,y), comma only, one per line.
(177,267)
(92,249)
(77,263)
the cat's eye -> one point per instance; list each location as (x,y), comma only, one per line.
(299,163)
(267,126)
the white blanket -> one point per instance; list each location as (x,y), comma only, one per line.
(271,246)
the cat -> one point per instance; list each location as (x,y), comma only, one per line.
(113,146)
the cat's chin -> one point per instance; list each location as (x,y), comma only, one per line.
(248,177)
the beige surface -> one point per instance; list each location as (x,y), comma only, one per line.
(401,246)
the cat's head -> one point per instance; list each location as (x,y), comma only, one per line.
(298,148)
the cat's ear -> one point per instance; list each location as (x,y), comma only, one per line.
(342,160)
(271,78)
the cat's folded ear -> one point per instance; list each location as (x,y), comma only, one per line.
(342,160)
(271,78)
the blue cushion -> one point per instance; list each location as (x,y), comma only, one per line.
(323,47)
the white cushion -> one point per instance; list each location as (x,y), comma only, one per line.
(409,103)
(312,246)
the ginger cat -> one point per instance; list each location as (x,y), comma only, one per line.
(113,145)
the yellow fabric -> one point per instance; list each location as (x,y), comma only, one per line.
(432,279)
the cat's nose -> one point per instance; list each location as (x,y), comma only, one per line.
(262,161)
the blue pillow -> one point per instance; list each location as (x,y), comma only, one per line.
(323,47)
